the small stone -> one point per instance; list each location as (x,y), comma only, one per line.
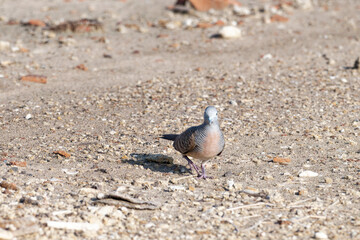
(4,45)
(6,63)
(268,177)
(122,29)
(320,235)
(106,210)
(230,184)
(267,56)
(28,116)
(308,174)
(304,4)
(6,235)
(328,180)
(242,10)
(230,32)
(302,192)
(8,185)
(251,191)
(69,172)
(81,67)
(228,174)
(143,30)
(233,102)
(172,25)
(149,225)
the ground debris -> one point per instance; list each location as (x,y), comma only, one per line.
(34,78)
(282,161)
(34,22)
(62,153)
(78,26)
(124,200)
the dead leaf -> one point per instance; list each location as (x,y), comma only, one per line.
(19,164)
(206,5)
(35,78)
(62,153)
(282,161)
(278,18)
(36,22)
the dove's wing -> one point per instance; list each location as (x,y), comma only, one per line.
(185,142)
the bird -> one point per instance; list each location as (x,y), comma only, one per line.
(201,142)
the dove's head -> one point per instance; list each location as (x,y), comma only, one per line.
(210,115)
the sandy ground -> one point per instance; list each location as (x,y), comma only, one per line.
(283,89)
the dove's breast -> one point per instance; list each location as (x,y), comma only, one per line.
(208,144)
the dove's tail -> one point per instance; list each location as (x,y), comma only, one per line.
(170,137)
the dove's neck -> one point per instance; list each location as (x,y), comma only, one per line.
(212,124)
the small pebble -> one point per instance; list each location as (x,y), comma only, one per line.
(320,235)
(308,174)
(230,32)
(4,45)
(28,116)
(328,180)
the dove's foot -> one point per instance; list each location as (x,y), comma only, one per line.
(192,165)
(203,174)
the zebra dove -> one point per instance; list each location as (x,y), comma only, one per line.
(201,142)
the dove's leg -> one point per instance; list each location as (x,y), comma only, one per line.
(192,165)
(203,174)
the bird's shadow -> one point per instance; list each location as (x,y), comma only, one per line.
(140,159)
(355,66)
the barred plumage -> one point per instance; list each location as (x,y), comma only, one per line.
(201,142)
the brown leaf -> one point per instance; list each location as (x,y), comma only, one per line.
(205,5)
(36,22)
(19,164)
(34,78)
(282,161)
(62,153)
(278,18)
